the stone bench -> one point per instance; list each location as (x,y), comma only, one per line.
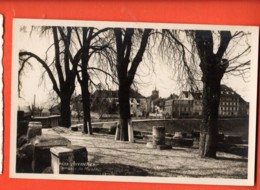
(41,150)
(106,127)
(76,127)
(48,121)
(69,160)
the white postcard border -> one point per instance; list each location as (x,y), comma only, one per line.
(171,180)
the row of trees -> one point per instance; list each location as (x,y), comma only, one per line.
(117,54)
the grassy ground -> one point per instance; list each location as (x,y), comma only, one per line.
(123,158)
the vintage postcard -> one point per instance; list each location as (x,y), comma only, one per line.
(134,102)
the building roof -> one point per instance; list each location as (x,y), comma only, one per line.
(114,94)
(172,97)
(229,92)
(194,95)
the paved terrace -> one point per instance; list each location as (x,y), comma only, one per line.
(122,157)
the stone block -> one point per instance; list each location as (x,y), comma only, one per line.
(34,129)
(158,135)
(164,147)
(43,119)
(69,160)
(48,121)
(148,138)
(41,153)
(74,127)
(54,120)
(182,142)
(150,145)
(61,160)
(179,135)
(80,153)
(80,162)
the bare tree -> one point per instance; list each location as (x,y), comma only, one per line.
(91,43)
(213,67)
(127,63)
(215,53)
(64,84)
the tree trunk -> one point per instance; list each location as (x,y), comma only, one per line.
(65,120)
(87,127)
(213,67)
(209,126)
(124,110)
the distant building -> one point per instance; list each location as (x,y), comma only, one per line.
(138,103)
(189,104)
(155,104)
(169,104)
(232,104)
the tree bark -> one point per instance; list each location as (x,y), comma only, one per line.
(65,119)
(124,110)
(87,128)
(124,43)
(213,67)
(84,82)
(209,126)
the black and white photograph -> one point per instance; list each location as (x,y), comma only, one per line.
(134,102)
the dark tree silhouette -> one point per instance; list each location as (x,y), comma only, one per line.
(209,55)
(91,43)
(64,84)
(126,65)
(213,67)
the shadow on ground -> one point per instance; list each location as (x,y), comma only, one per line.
(119,169)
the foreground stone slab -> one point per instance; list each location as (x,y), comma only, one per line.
(61,159)
(80,153)
(41,150)
(69,160)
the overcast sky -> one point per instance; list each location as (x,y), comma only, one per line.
(160,77)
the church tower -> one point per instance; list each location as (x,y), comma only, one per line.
(155,94)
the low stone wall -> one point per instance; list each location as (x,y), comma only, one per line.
(230,126)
